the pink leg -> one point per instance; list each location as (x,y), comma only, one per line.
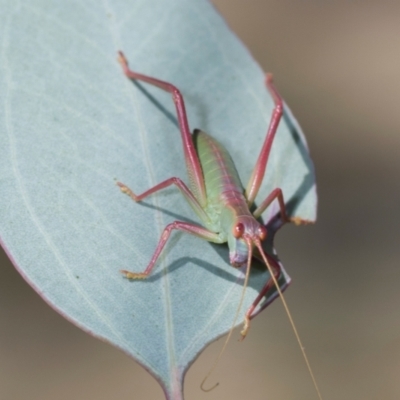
(259,170)
(192,161)
(275,194)
(270,283)
(183,226)
(168,182)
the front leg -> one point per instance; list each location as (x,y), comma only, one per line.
(267,287)
(277,194)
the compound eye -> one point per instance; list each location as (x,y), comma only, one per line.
(238,230)
(262,232)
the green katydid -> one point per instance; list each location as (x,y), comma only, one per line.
(217,196)
(216,193)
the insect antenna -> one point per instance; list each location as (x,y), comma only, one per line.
(258,245)
(246,280)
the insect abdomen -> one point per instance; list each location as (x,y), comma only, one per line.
(220,174)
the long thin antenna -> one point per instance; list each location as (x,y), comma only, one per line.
(246,280)
(258,244)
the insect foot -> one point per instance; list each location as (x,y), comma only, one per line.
(298,221)
(126,190)
(133,275)
(246,326)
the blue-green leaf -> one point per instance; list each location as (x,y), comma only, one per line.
(71,124)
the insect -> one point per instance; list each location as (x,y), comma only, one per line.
(216,194)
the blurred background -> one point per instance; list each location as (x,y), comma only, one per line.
(337,65)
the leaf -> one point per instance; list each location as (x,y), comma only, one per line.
(71,124)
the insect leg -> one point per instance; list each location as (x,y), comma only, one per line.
(275,194)
(192,161)
(183,226)
(259,169)
(269,284)
(191,199)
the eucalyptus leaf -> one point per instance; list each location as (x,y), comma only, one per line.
(72,124)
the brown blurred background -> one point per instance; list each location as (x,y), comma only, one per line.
(337,64)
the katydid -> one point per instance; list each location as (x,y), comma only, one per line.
(216,194)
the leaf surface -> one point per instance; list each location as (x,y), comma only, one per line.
(71,124)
